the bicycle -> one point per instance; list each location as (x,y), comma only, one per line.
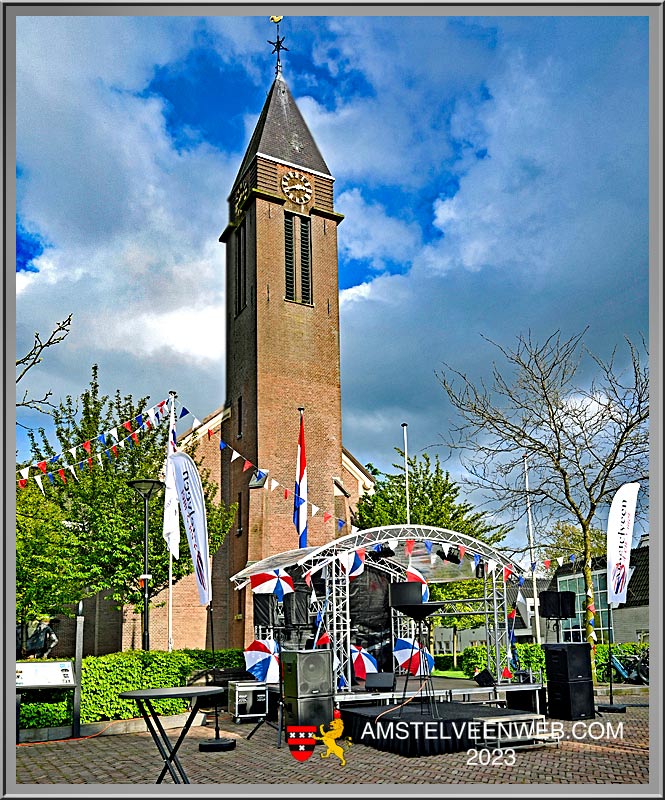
(630,669)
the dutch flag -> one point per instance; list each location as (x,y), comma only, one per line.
(300,496)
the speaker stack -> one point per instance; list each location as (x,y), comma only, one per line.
(557,605)
(308,687)
(569,681)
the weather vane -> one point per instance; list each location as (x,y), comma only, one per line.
(277,44)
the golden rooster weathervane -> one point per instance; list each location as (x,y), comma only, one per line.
(277,45)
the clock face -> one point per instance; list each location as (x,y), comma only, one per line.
(296,187)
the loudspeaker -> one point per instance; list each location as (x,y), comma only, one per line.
(557,605)
(307,673)
(264,610)
(380,681)
(308,710)
(568,661)
(408,593)
(484,678)
(534,700)
(570,700)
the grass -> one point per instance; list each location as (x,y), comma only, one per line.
(449,673)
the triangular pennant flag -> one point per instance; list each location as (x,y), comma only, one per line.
(151,414)
(286,494)
(62,475)
(72,450)
(209,434)
(222,444)
(71,469)
(307,577)
(491,566)
(54,459)
(90,463)
(559,561)
(340,524)
(81,463)
(247,465)
(533,566)
(49,475)
(462,550)
(299,501)
(507,572)
(42,465)
(260,475)
(127,425)
(445,548)
(591,607)
(593,636)
(196,423)
(432,558)
(476,559)
(408,546)
(547,563)
(572,558)
(520,596)
(139,420)
(38,478)
(114,434)
(520,580)
(506,673)
(591,621)
(107,453)
(183,413)
(428,546)
(114,450)
(235,455)
(314,509)
(392,544)
(22,483)
(312,597)
(86,446)
(326,516)
(273,484)
(589,592)
(512,614)
(25,472)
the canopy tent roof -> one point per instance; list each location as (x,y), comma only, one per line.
(314,558)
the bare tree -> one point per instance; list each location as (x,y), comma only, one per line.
(581,438)
(34,357)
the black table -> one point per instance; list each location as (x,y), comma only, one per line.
(167,750)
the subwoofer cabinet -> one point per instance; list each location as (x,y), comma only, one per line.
(247,700)
(308,710)
(307,673)
(571,700)
(568,661)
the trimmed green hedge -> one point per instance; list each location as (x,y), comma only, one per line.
(104,677)
(532,656)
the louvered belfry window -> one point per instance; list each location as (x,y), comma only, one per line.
(297,259)
(241,268)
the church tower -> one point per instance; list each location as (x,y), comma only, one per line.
(283,350)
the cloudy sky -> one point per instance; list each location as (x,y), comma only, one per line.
(492,170)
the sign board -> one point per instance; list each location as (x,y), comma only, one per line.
(44,674)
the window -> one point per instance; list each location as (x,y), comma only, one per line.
(574,630)
(239,432)
(239,515)
(241,268)
(297,259)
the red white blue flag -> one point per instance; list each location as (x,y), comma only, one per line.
(300,495)
(412,574)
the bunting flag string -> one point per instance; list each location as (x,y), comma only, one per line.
(155,414)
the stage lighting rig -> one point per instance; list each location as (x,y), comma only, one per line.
(453,555)
(384,551)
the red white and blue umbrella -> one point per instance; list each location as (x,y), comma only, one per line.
(412,657)
(274,581)
(363,662)
(412,574)
(262,660)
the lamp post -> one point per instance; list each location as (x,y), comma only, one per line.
(146,487)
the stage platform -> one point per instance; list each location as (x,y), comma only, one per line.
(421,728)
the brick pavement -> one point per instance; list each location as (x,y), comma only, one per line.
(133,759)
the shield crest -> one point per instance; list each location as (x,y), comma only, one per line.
(300,739)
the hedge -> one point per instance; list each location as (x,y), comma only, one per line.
(532,656)
(104,677)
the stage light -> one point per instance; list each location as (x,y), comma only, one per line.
(480,569)
(383,552)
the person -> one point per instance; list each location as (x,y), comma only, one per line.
(41,639)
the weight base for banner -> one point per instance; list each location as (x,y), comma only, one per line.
(217,745)
(612,708)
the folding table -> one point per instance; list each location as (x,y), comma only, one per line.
(167,750)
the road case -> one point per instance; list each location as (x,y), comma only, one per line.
(247,700)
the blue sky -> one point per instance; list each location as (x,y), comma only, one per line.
(493,172)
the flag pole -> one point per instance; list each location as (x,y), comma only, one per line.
(406,476)
(172,396)
(532,557)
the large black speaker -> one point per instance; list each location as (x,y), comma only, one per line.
(308,710)
(557,605)
(408,593)
(570,700)
(568,661)
(307,673)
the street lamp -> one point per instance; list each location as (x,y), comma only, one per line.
(146,487)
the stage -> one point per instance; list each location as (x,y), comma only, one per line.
(422,728)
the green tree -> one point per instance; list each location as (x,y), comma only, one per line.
(104,513)
(49,578)
(581,437)
(462,592)
(433,500)
(566,539)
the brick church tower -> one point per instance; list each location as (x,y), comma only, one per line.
(282,329)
